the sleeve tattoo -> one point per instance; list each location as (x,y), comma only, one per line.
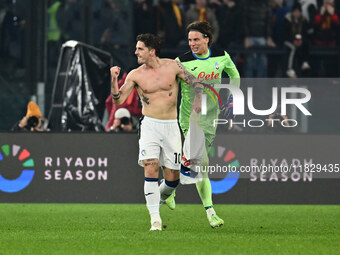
(191,80)
(188,77)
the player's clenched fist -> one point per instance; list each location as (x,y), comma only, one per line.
(115,72)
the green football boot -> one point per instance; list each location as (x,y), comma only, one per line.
(170,201)
(215,221)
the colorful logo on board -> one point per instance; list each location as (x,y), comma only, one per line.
(15,152)
(227,183)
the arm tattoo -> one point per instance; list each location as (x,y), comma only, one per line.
(145,99)
(198,91)
(188,77)
(192,81)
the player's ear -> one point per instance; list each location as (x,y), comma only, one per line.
(153,52)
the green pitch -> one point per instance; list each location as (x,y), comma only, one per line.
(124,229)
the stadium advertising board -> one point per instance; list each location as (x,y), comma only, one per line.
(102,168)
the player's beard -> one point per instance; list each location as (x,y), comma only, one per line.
(140,61)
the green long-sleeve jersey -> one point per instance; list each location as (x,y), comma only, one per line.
(208,69)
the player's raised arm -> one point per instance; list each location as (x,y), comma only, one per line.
(120,95)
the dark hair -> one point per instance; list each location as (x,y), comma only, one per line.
(297,6)
(151,41)
(32,122)
(202,27)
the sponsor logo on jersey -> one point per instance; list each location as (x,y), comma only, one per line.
(211,76)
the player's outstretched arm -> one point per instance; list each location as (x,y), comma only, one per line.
(187,77)
(119,95)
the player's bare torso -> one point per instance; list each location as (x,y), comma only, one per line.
(157,89)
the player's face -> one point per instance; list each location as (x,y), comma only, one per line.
(142,52)
(198,43)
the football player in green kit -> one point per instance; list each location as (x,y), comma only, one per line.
(207,65)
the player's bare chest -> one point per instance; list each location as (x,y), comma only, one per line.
(156,81)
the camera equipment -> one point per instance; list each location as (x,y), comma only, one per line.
(125,121)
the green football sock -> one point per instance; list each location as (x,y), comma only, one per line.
(204,190)
(204,187)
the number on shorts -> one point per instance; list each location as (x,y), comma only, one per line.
(177,158)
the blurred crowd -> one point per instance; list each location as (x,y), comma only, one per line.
(236,21)
(250,30)
(293,25)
